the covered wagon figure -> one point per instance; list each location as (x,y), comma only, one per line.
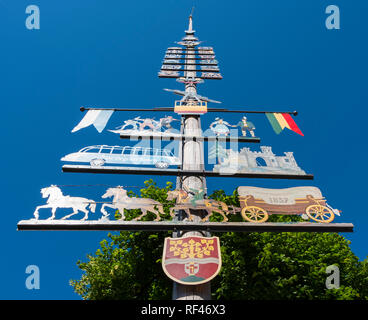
(258,203)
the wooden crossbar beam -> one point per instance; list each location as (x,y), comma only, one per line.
(177,172)
(106,225)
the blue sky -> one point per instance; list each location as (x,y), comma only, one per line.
(273,55)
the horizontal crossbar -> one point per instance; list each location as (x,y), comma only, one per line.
(162,109)
(100,225)
(194,138)
(177,172)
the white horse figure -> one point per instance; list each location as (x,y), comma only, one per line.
(122,201)
(56,199)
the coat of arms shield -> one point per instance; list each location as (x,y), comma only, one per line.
(191,260)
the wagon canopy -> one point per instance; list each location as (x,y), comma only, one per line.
(282,196)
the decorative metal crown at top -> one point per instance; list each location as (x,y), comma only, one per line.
(189,63)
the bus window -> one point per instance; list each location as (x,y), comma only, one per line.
(138,151)
(148,152)
(128,150)
(117,151)
(106,150)
(91,150)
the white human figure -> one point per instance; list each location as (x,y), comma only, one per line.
(219,126)
(134,123)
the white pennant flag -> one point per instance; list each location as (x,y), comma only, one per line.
(98,118)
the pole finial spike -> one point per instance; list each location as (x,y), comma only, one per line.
(191,13)
(190,27)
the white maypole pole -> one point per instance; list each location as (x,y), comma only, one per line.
(193,159)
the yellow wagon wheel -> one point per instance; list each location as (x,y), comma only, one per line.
(320,213)
(254,214)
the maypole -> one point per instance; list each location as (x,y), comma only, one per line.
(193,157)
(192,257)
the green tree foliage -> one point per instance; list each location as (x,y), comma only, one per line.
(256,266)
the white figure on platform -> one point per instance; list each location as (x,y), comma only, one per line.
(150,123)
(56,199)
(166,123)
(219,126)
(131,122)
(146,126)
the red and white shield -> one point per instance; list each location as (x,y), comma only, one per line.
(191,260)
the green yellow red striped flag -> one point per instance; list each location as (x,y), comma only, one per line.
(280,121)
